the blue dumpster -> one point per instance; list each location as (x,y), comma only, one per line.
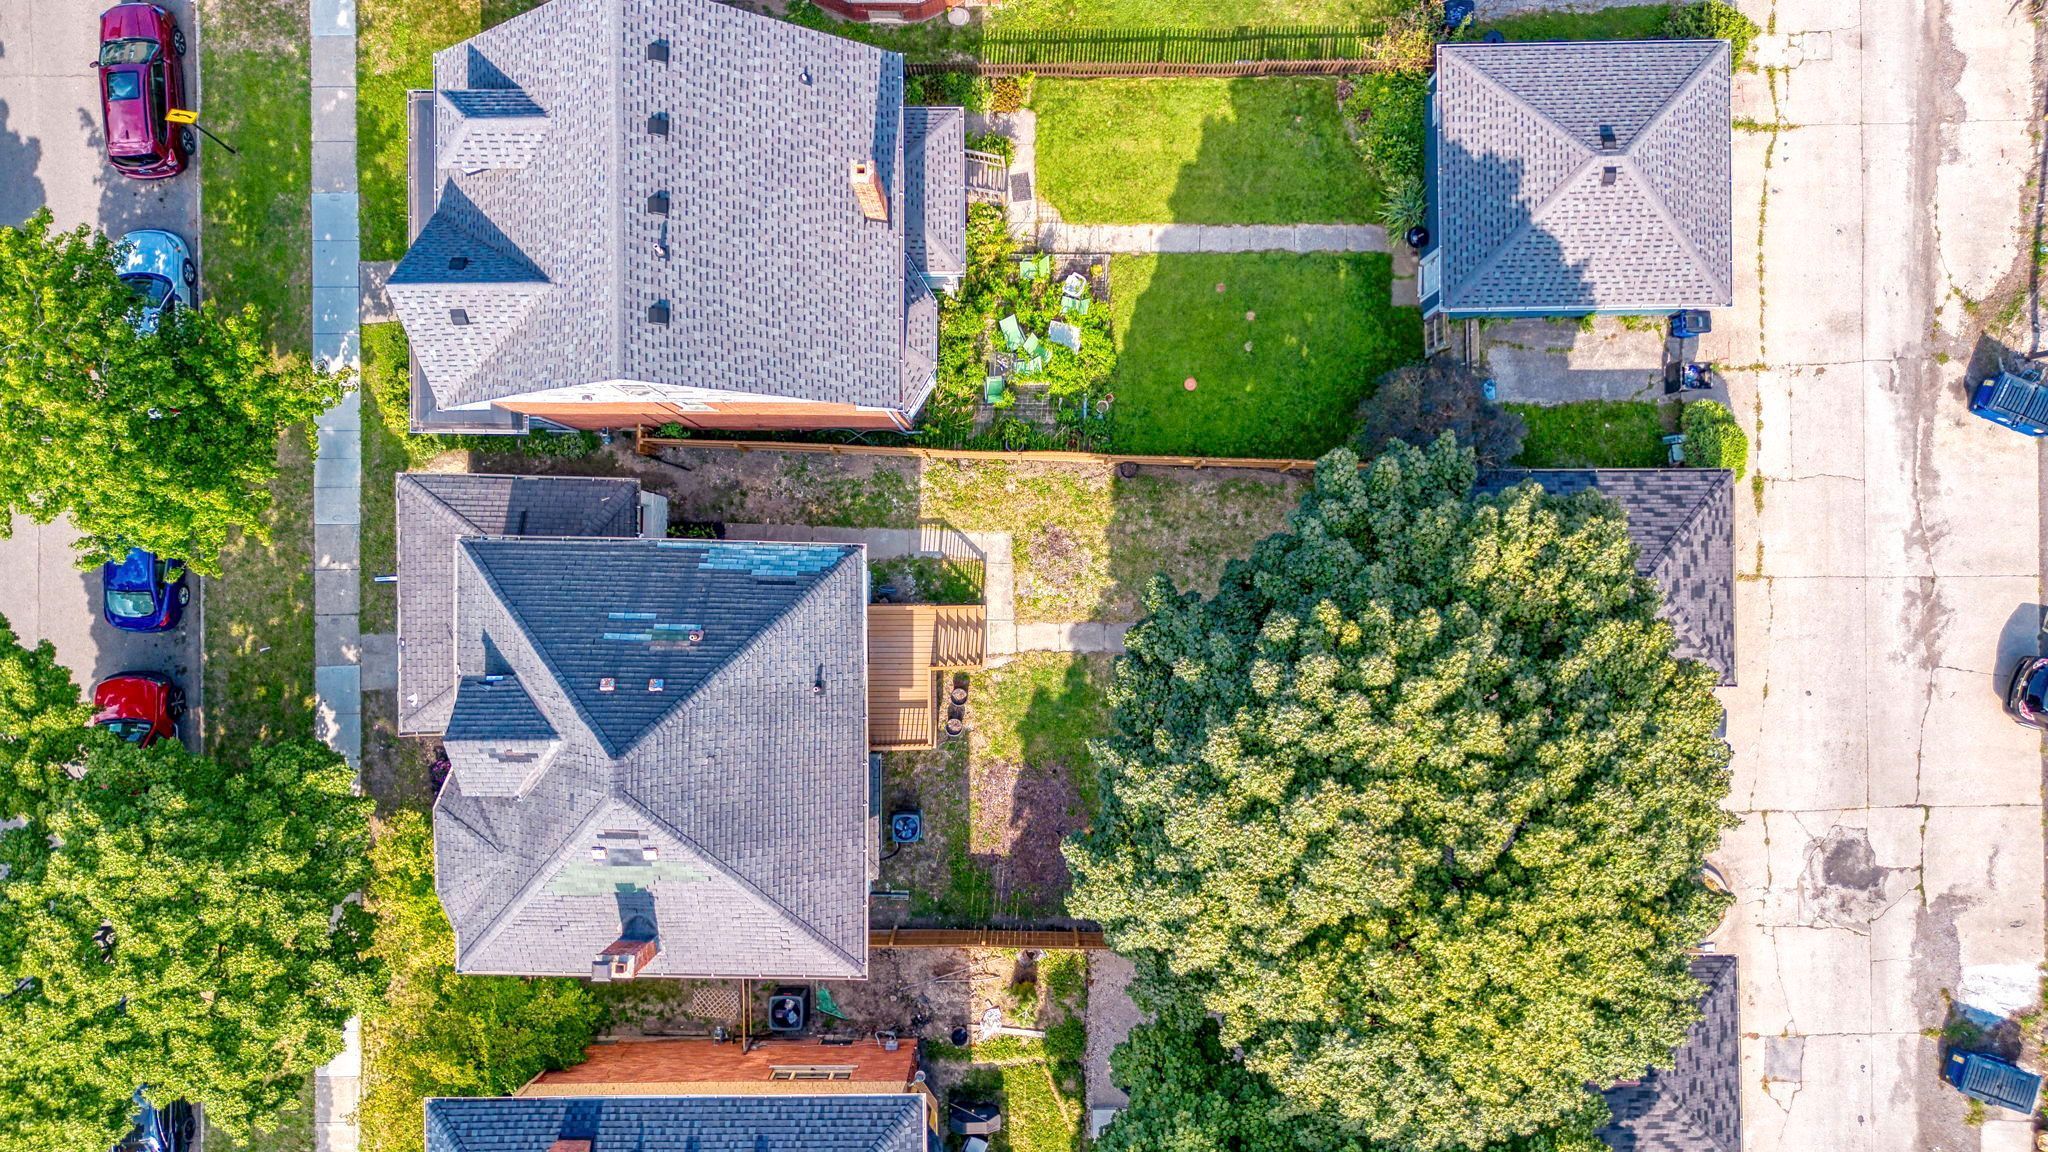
(2017,400)
(1993,1081)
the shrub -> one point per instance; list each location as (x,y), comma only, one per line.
(962,88)
(996,143)
(1404,204)
(1390,110)
(1417,403)
(1713,439)
(1714,20)
(1010,93)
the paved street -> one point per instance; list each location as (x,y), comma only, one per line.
(1889,863)
(50,137)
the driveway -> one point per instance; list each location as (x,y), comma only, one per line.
(50,154)
(1889,862)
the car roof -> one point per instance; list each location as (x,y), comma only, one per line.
(155,251)
(137,570)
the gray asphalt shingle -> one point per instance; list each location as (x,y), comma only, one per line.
(777,1123)
(775,283)
(1696,1105)
(711,768)
(1682,521)
(1536,211)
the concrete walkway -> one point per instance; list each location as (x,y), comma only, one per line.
(1060,236)
(1006,637)
(337,472)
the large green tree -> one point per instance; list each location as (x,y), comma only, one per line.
(42,724)
(166,439)
(434,1032)
(182,923)
(1415,805)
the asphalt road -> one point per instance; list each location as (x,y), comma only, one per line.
(50,153)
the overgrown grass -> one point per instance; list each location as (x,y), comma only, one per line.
(1057,14)
(1593,434)
(259,618)
(1041,710)
(395,45)
(1281,348)
(930,579)
(1040,1083)
(1248,151)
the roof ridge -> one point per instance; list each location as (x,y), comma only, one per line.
(526,635)
(620,795)
(615,209)
(540,877)
(1701,494)
(1656,199)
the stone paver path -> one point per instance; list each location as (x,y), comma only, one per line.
(337,471)
(1060,236)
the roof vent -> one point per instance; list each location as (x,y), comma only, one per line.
(457,263)
(657,124)
(458,317)
(657,684)
(805,75)
(606,684)
(1607,175)
(597,853)
(657,51)
(818,685)
(1607,138)
(657,312)
(658,203)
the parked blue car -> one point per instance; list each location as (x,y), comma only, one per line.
(141,593)
(166,1129)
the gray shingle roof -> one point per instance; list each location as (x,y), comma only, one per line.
(723,769)
(1683,523)
(1695,1106)
(434,510)
(823,1123)
(775,282)
(1535,212)
(935,188)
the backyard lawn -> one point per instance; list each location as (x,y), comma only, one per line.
(1630,22)
(1056,14)
(1281,348)
(1593,434)
(1251,151)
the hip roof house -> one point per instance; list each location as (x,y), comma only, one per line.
(656,211)
(657,748)
(1696,1104)
(1567,179)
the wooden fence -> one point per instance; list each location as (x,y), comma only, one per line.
(1265,50)
(1081,938)
(648,445)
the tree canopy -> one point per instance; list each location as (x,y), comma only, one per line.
(434,1032)
(164,440)
(1416,805)
(188,931)
(1417,403)
(43,721)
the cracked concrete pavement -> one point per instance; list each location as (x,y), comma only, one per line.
(1889,864)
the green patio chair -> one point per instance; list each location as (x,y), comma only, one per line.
(1033,346)
(992,389)
(1027,269)
(1031,366)
(1012,334)
(1078,305)
(1044,266)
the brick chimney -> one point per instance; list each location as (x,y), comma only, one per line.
(566,1145)
(624,958)
(867,191)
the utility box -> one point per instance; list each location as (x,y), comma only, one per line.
(1993,1081)
(2017,400)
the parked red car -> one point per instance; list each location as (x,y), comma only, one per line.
(142,76)
(139,707)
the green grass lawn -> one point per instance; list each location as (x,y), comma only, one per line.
(1322,331)
(1055,14)
(1633,22)
(1593,434)
(1251,151)
(395,45)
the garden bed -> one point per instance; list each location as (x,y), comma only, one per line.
(1247,151)
(1281,347)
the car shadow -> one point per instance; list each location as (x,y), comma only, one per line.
(2019,639)
(21,190)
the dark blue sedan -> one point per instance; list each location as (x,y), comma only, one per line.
(143,593)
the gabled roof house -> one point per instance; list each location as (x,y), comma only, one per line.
(822,1123)
(656,211)
(657,748)
(1682,521)
(1572,178)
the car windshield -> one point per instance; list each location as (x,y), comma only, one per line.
(133,731)
(128,52)
(130,604)
(2037,689)
(124,85)
(152,290)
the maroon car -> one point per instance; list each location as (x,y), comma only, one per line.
(142,76)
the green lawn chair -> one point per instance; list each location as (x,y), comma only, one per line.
(1012,334)
(992,389)
(1031,367)
(1027,269)
(1044,266)
(1077,305)
(1033,346)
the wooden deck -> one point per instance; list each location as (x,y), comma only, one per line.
(908,646)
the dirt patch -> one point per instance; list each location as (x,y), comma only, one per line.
(935,784)
(397,770)
(1021,814)
(277,27)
